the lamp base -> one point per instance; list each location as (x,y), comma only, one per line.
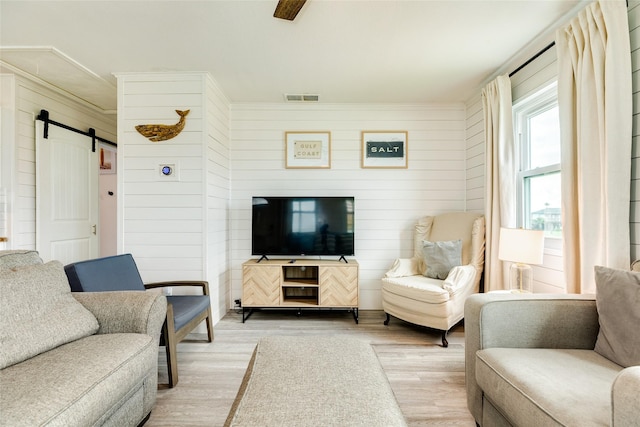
(520,278)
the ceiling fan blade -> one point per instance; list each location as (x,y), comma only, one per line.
(288,9)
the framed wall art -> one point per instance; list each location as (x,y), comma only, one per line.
(384,149)
(307,150)
(107,159)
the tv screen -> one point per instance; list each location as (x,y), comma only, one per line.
(302,226)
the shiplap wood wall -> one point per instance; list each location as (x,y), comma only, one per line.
(218,186)
(22,100)
(388,202)
(176,226)
(634,33)
(475,155)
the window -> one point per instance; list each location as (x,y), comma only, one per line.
(349,209)
(304,216)
(537,136)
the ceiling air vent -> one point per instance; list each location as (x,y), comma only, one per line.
(294,97)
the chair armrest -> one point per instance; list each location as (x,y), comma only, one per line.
(460,277)
(524,321)
(126,311)
(404,267)
(625,403)
(198,283)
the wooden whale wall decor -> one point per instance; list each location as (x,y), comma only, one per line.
(157,133)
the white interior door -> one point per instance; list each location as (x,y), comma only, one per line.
(67,202)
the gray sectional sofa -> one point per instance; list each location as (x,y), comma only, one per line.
(74,359)
(555,360)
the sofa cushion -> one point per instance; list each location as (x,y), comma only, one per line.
(441,257)
(618,303)
(81,383)
(537,386)
(38,312)
(18,258)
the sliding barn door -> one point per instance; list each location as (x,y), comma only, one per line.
(66,195)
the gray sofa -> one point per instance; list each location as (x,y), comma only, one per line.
(74,359)
(531,361)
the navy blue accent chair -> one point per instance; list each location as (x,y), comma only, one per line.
(120,273)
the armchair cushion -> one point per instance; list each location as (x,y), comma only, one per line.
(417,288)
(38,312)
(187,307)
(441,257)
(115,273)
(618,303)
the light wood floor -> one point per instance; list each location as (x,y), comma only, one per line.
(428,380)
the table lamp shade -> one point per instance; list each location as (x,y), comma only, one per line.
(520,245)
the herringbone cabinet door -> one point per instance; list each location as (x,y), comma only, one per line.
(339,286)
(261,286)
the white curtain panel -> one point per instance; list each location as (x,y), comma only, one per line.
(595,102)
(500,163)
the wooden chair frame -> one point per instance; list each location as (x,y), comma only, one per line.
(170,335)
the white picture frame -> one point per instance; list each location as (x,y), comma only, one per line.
(308,149)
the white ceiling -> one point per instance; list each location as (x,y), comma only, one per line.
(353,51)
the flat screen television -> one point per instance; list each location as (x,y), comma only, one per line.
(296,226)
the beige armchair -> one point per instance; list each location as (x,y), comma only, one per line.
(438,301)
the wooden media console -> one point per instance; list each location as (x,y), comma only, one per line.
(299,284)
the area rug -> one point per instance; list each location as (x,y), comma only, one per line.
(314,381)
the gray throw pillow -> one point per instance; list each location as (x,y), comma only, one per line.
(38,312)
(18,258)
(441,257)
(618,303)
